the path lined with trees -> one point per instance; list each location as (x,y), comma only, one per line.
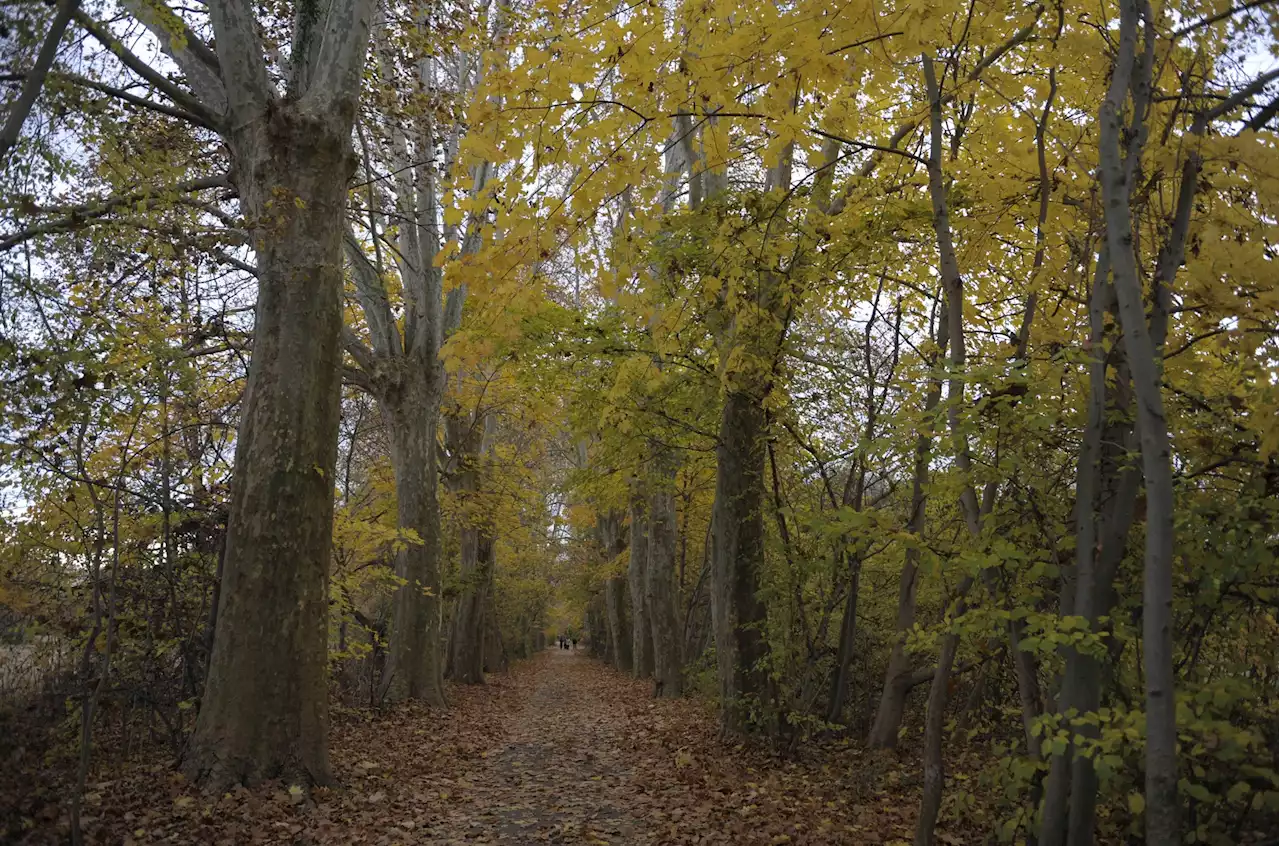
(896,375)
(562,751)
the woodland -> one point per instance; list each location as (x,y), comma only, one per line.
(883,395)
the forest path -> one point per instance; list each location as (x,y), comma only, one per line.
(562,774)
(561,750)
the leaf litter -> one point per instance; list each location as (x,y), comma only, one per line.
(562,750)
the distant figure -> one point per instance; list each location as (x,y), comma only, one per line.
(574,642)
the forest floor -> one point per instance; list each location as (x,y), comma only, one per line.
(561,750)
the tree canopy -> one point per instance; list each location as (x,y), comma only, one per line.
(902,373)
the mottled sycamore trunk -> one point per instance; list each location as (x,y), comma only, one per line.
(468,437)
(737,558)
(661,587)
(477,575)
(265,713)
(615,606)
(637,584)
(416,667)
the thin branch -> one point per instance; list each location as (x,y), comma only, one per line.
(34,81)
(131,60)
(134,99)
(76,217)
(1213,19)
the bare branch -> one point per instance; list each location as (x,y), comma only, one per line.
(1213,19)
(129,59)
(134,99)
(76,217)
(198,62)
(34,81)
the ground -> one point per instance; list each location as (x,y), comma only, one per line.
(562,750)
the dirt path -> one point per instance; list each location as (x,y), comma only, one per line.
(561,773)
(563,750)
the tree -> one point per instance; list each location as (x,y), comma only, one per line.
(292,161)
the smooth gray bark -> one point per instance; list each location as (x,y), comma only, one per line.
(973,512)
(637,585)
(1162,808)
(660,585)
(615,602)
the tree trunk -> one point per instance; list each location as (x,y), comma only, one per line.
(598,629)
(615,590)
(468,436)
(416,666)
(495,651)
(668,673)
(737,558)
(848,634)
(1106,479)
(33,81)
(1145,362)
(265,712)
(893,697)
(476,574)
(934,775)
(637,581)
(953,284)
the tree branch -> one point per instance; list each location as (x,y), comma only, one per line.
(34,81)
(131,60)
(134,99)
(77,216)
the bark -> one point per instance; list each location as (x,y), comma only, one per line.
(737,558)
(637,583)
(265,712)
(616,616)
(476,569)
(934,774)
(842,680)
(415,668)
(739,615)
(1106,487)
(495,651)
(1162,812)
(953,284)
(848,641)
(664,623)
(597,630)
(476,554)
